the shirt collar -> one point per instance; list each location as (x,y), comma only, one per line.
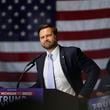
(54,53)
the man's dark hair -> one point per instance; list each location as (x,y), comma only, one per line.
(46,26)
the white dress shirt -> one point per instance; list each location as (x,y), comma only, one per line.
(60,80)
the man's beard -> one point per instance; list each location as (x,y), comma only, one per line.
(49,45)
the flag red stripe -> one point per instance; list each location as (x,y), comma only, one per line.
(30,77)
(83,15)
(95,54)
(20,57)
(10,77)
(84,35)
(102,73)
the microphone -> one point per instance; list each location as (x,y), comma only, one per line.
(26,69)
(30,65)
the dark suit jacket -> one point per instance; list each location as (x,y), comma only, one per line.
(73,63)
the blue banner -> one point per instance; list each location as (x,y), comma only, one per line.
(99,103)
(11,95)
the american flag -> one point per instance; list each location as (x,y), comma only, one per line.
(81,23)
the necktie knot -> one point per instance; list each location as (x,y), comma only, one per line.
(50,56)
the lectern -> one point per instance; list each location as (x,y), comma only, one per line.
(51,100)
(57,100)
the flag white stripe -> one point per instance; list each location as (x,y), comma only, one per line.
(15,67)
(83,25)
(19,66)
(93,44)
(82,5)
(96,85)
(21,47)
(101,62)
(14,84)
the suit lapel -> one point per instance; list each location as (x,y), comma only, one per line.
(63,61)
(65,64)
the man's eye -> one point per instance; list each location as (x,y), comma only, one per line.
(49,35)
(41,37)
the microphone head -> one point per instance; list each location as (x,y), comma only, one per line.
(31,63)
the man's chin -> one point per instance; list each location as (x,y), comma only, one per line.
(49,47)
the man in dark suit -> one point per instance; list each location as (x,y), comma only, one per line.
(69,63)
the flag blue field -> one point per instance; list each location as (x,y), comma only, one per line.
(81,23)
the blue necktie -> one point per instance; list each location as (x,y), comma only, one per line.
(50,74)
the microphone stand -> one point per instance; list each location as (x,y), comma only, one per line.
(25,70)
